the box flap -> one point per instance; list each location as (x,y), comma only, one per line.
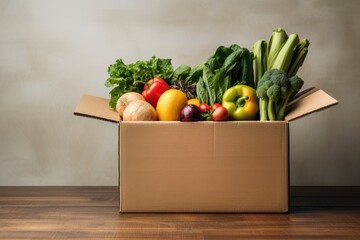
(308,101)
(96,107)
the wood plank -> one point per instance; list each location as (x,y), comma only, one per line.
(92,213)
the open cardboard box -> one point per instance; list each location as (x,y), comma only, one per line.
(233,166)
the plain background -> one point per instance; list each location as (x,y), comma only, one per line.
(52,52)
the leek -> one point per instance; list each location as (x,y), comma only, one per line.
(260,57)
(283,52)
(284,57)
(277,40)
(300,53)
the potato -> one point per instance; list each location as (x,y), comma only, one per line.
(139,110)
(126,99)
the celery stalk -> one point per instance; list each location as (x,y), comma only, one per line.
(284,57)
(277,40)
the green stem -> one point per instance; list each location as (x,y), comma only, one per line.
(272,116)
(240,102)
(281,114)
(263,110)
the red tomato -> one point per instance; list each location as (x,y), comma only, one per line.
(220,114)
(204,107)
(215,106)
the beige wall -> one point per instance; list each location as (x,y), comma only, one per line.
(51,52)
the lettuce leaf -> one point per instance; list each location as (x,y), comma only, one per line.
(131,78)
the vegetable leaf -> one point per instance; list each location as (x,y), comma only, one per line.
(201,91)
(130,78)
(208,78)
(220,84)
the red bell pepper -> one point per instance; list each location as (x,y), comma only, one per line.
(153,90)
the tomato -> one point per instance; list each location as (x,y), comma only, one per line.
(170,104)
(220,114)
(204,107)
(215,106)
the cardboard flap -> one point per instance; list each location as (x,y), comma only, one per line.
(309,101)
(96,107)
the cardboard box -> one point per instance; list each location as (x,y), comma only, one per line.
(234,166)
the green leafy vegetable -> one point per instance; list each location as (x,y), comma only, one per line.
(181,72)
(195,73)
(178,81)
(276,42)
(130,78)
(283,58)
(274,91)
(208,78)
(300,53)
(227,67)
(260,58)
(221,82)
(247,72)
(201,91)
(283,52)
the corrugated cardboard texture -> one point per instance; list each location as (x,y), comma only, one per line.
(314,100)
(96,107)
(204,167)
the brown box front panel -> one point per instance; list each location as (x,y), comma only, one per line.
(203,166)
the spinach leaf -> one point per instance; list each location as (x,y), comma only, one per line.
(219,57)
(247,75)
(225,68)
(208,78)
(195,74)
(220,84)
(182,72)
(201,91)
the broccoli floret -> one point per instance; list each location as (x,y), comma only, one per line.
(274,90)
(270,75)
(296,84)
(274,94)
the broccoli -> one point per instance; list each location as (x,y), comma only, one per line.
(274,91)
(296,84)
(261,93)
(274,94)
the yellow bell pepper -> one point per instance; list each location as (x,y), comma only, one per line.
(241,102)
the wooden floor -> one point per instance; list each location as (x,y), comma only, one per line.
(92,213)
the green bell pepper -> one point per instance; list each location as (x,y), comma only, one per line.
(241,102)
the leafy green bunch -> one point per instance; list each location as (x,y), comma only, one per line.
(274,90)
(131,78)
(283,52)
(227,67)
